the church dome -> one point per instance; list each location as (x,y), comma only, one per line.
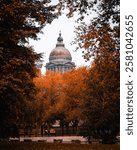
(60,53)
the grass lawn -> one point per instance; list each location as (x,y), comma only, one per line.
(48,146)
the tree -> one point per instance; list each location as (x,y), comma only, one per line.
(102,105)
(60,97)
(50,98)
(100,41)
(20,20)
(74,90)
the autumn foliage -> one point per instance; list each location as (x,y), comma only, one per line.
(60,95)
(89,96)
(19,21)
(86,97)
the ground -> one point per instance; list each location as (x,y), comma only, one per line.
(51,146)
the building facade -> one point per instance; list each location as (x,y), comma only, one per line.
(60,59)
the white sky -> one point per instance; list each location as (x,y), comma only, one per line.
(49,37)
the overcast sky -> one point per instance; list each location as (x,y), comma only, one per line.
(49,37)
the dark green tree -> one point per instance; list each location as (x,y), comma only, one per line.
(19,21)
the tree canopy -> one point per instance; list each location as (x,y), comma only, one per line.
(19,21)
(100,41)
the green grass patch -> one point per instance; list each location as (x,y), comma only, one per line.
(53,146)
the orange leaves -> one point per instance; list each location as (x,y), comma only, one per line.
(81,93)
(89,38)
(91,34)
(49,93)
(62,93)
(86,44)
(69,93)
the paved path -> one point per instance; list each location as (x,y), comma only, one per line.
(64,139)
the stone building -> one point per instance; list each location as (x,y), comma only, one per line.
(60,59)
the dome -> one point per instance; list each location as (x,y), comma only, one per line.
(60,59)
(60,53)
